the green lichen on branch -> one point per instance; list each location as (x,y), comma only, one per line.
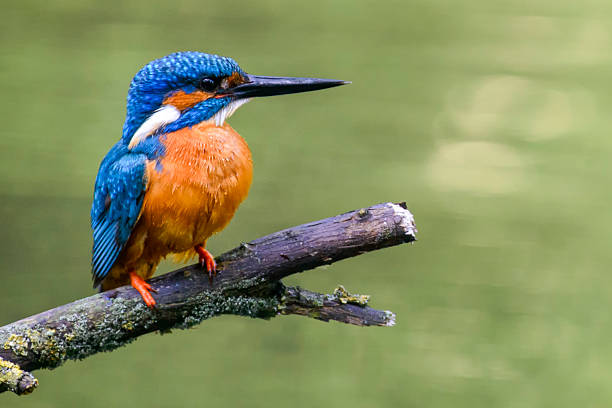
(210,304)
(302,296)
(99,324)
(80,333)
(340,306)
(86,328)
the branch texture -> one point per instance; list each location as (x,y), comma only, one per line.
(248,284)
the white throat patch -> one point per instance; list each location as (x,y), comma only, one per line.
(161,117)
(169,113)
(227,111)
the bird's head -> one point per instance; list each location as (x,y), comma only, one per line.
(186,88)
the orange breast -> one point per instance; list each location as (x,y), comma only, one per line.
(205,174)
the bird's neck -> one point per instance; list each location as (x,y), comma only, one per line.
(215,109)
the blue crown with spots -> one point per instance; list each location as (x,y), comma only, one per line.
(181,70)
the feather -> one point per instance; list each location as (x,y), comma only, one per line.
(118,197)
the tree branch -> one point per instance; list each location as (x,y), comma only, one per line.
(248,284)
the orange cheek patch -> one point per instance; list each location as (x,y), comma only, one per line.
(235,79)
(232,81)
(182,100)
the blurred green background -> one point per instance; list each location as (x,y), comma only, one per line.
(491,119)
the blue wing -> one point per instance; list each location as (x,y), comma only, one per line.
(120,187)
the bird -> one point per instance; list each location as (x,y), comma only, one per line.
(179,171)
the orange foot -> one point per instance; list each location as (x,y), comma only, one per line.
(143,288)
(207,261)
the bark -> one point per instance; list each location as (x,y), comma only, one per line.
(248,284)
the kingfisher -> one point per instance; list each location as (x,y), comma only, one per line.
(179,171)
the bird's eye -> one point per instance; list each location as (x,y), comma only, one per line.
(208,84)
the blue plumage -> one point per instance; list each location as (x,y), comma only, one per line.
(181,70)
(169,94)
(194,115)
(120,184)
(118,195)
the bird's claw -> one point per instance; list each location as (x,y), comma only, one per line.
(207,260)
(143,288)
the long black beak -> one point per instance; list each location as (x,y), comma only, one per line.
(269,86)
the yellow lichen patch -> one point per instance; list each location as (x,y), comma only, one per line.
(9,372)
(17,343)
(47,344)
(42,343)
(128,326)
(344,297)
(11,375)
